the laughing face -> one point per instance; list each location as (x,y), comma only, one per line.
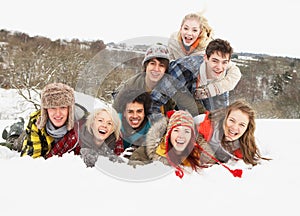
(134,114)
(58,115)
(190,31)
(180,138)
(155,70)
(235,125)
(102,127)
(216,64)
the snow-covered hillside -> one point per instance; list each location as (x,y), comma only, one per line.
(65,186)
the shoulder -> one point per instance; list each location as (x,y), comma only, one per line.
(233,69)
(173,41)
(85,138)
(217,115)
(158,128)
(174,36)
(155,134)
(35,114)
(34,118)
(136,81)
(137,76)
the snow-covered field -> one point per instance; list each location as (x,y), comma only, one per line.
(64,186)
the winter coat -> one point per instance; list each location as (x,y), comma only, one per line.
(214,134)
(175,47)
(90,151)
(218,89)
(164,96)
(153,152)
(38,143)
(190,71)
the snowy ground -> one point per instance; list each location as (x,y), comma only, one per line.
(65,186)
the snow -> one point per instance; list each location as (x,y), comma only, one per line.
(65,186)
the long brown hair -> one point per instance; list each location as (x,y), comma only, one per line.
(250,151)
(191,154)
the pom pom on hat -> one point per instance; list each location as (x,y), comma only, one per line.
(156,51)
(57,95)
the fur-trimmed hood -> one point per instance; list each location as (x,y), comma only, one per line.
(155,136)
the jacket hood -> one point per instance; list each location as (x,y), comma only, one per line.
(155,135)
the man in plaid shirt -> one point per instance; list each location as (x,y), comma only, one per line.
(210,77)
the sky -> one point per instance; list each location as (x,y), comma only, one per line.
(65,186)
(254,26)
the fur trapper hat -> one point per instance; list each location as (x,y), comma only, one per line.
(57,95)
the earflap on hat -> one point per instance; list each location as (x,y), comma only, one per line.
(179,172)
(70,120)
(41,122)
(179,118)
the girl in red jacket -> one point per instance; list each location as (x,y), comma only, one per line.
(231,136)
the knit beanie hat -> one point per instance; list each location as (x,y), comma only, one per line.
(57,95)
(179,118)
(156,51)
(183,118)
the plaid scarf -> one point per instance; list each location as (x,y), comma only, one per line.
(67,143)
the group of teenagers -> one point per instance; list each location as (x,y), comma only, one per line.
(176,111)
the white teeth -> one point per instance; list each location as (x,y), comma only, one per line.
(233,133)
(102,131)
(180,141)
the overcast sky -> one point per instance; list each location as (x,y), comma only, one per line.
(256,26)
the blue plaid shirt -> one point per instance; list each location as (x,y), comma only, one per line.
(186,70)
(183,73)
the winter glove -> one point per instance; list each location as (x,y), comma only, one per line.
(125,155)
(89,156)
